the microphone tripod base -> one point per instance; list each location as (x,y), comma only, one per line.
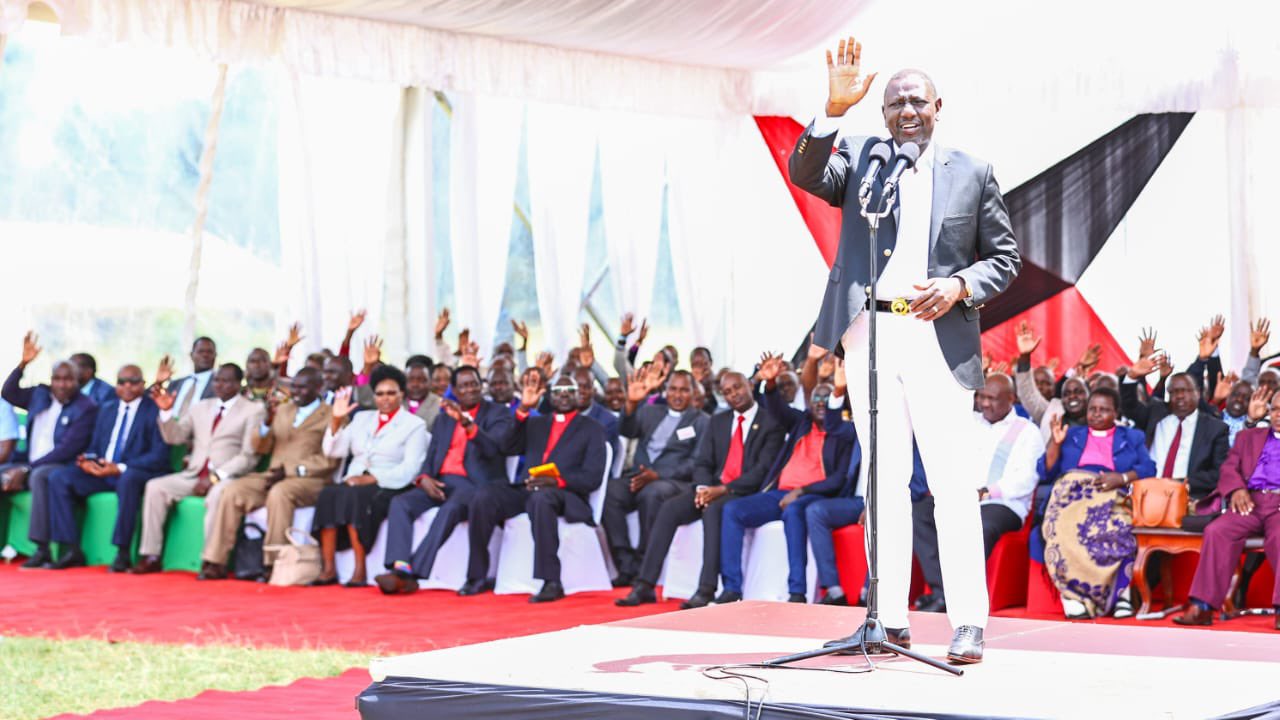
(869,640)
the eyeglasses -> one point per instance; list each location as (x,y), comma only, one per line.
(564,390)
(129,381)
(819,399)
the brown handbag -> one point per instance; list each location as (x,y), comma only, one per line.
(1159,503)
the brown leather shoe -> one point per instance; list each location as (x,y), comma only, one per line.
(394,583)
(147,564)
(212,571)
(1195,616)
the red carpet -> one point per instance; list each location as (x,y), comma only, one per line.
(1263,624)
(176,608)
(327,699)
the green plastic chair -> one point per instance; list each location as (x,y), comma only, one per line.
(184,535)
(19,514)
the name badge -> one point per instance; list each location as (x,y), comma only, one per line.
(685,433)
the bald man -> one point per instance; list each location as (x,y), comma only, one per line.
(59,426)
(126,451)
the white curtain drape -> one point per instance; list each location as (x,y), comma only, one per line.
(561,151)
(483,144)
(336,190)
(632,178)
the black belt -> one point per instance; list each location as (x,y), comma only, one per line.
(900,306)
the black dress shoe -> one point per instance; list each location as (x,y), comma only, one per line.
(934,602)
(39,560)
(699,599)
(475,587)
(841,600)
(322,582)
(551,591)
(727,597)
(898,636)
(71,558)
(120,564)
(966,645)
(1194,615)
(623,580)
(147,564)
(797,598)
(641,593)
(212,571)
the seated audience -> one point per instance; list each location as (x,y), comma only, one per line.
(387,448)
(86,375)
(259,376)
(60,424)
(566,438)
(465,453)
(1088,544)
(733,459)
(666,440)
(587,405)
(1249,493)
(338,375)
(291,436)
(127,451)
(501,387)
(222,432)
(814,465)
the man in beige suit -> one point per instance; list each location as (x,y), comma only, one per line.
(299,470)
(223,433)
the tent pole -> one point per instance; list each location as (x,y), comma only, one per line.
(202,205)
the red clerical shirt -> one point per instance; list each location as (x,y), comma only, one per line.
(453,459)
(558,424)
(384,419)
(805,466)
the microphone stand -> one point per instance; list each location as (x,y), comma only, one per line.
(871,638)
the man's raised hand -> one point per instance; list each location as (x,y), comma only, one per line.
(355,321)
(532,391)
(163,400)
(165,371)
(30,347)
(1027,339)
(1146,342)
(372,350)
(442,323)
(770,367)
(1259,404)
(470,355)
(1222,390)
(342,403)
(522,331)
(846,86)
(1259,336)
(628,324)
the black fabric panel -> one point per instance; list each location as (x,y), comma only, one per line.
(400,698)
(1063,216)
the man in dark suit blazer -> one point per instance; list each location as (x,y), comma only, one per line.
(59,426)
(190,389)
(1249,493)
(571,441)
(86,374)
(587,405)
(465,454)
(1162,422)
(667,438)
(127,450)
(944,250)
(719,476)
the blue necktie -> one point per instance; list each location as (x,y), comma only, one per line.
(119,448)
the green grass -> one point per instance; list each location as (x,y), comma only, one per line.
(43,677)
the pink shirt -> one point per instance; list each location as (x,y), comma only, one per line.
(1097,449)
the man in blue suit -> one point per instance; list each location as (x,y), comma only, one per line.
(465,454)
(87,375)
(59,427)
(126,451)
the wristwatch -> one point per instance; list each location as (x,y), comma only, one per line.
(214,477)
(302,470)
(967,298)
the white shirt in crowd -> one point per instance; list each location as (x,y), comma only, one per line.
(42,428)
(1012,484)
(1166,429)
(128,419)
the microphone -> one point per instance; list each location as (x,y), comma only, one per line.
(903,161)
(878,158)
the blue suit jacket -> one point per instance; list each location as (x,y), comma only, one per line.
(839,449)
(100,392)
(75,425)
(579,453)
(607,420)
(144,448)
(483,459)
(1128,452)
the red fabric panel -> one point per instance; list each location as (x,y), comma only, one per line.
(1007,570)
(1067,325)
(823,221)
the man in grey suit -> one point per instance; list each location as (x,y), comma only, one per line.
(667,436)
(945,249)
(190,389)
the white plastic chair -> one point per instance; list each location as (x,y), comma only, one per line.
(765,567)
(582,550)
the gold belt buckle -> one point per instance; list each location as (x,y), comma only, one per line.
(900,306)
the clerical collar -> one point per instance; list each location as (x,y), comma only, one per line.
(387,417)
(563,417)
(1101,433)
(674,413)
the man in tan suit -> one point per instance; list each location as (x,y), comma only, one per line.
(299,470)
(223,433)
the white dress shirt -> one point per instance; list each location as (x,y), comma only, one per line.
(1012,484)
(909,262)
(132,407)
(42,428)
(1163,440)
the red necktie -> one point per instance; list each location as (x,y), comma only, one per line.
(1173,452)
(733,460)
(204,471)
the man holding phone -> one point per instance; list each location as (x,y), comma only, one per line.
(125,452)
